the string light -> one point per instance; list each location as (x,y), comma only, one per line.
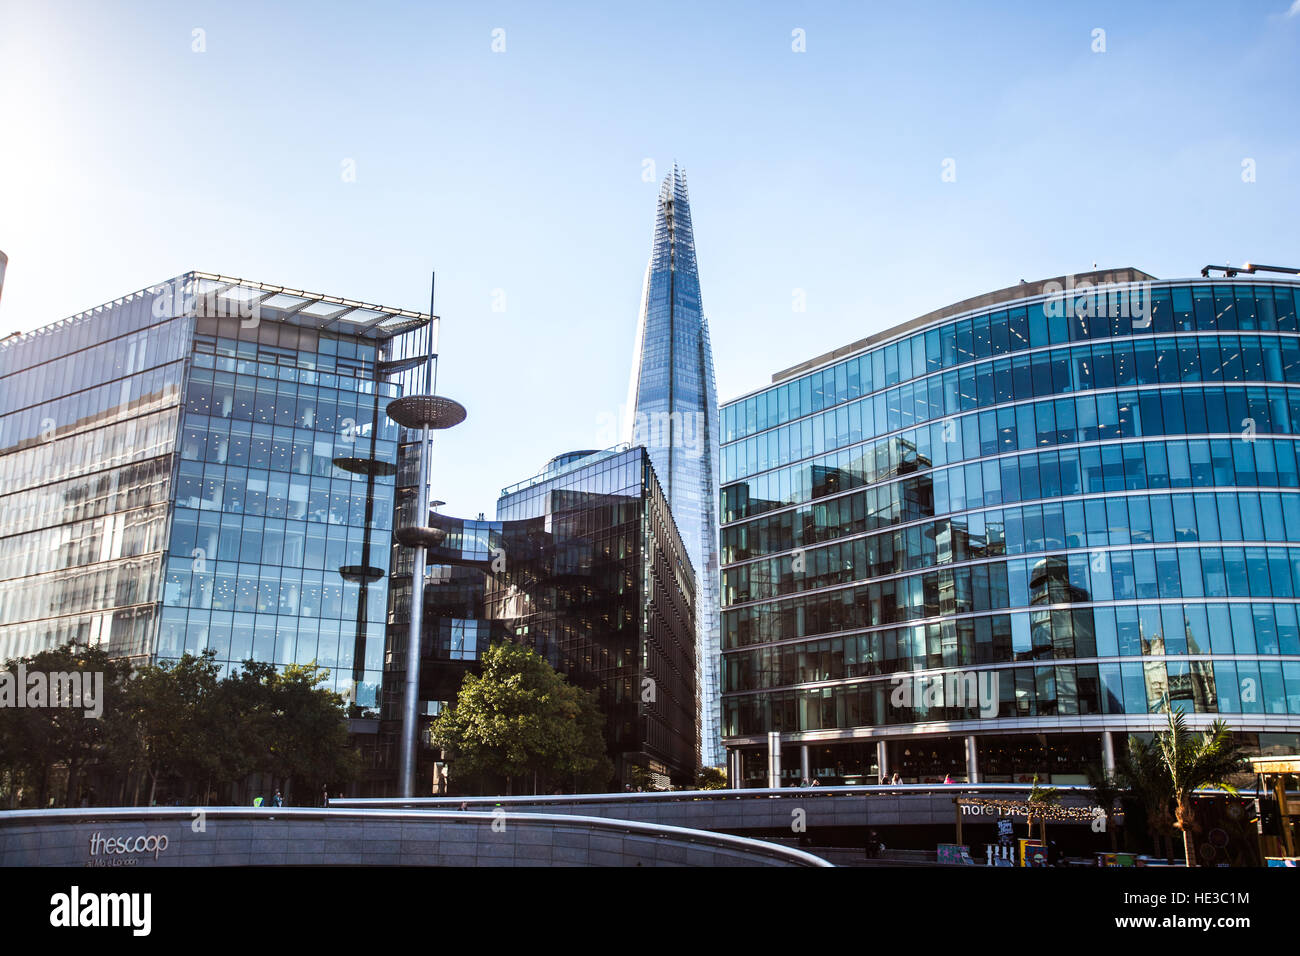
(1049,812)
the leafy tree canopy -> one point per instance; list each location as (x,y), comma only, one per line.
(519,718)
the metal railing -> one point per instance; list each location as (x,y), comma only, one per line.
(688,796)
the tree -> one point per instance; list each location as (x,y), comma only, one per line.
(34,741)
(1143,772)
(639,778)
(710,778)
(519,718)
(169,707)
(1196,764)
(1040,798)
(308,734)
(1106,790)
(244,707)
(282,723)
(174,722)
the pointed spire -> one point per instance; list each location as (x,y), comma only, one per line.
(672,404)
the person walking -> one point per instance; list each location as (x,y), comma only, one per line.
(279,800)
(895,780)
(873,845)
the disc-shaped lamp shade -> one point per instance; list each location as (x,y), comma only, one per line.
(419,536)
(360,573)
(419,411)
(366,466)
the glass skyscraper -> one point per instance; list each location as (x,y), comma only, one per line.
(207,465)
(672,411)
(585,566)
(996,540)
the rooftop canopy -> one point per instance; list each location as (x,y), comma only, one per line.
(226,296)
(208,295)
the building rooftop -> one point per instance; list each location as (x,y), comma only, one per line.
(563,464)
(1022,290)
(212,295)
(325,313)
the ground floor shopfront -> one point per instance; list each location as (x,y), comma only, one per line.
(1054,757)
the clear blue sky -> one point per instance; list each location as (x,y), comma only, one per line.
(127,158)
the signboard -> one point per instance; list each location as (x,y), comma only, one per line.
(1275,764)
(1032,853)
(954,853)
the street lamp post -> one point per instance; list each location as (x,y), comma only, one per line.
(426,412)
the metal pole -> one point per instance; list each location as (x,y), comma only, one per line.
(972,761)
(773,759)
(411,699)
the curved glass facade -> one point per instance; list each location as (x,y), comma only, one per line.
(1084,505)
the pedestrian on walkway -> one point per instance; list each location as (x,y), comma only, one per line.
(873,845)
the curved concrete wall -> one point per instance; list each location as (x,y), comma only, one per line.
(242,836)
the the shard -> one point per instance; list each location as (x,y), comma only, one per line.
(673,412)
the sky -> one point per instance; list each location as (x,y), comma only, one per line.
(908,156)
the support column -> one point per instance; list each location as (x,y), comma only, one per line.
(408,757)
(774,758)
(805,763)
(882,760)
(420,412)
(734,763)
(972,760)
(1283,813)
(1108,753)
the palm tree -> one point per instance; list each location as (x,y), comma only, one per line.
(1041,797)
(1106,790)
(1194,765)
(1143,772)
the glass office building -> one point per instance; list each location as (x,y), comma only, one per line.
(90,412)
(584,565)
(996,540)
(672,407)
(206,465)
